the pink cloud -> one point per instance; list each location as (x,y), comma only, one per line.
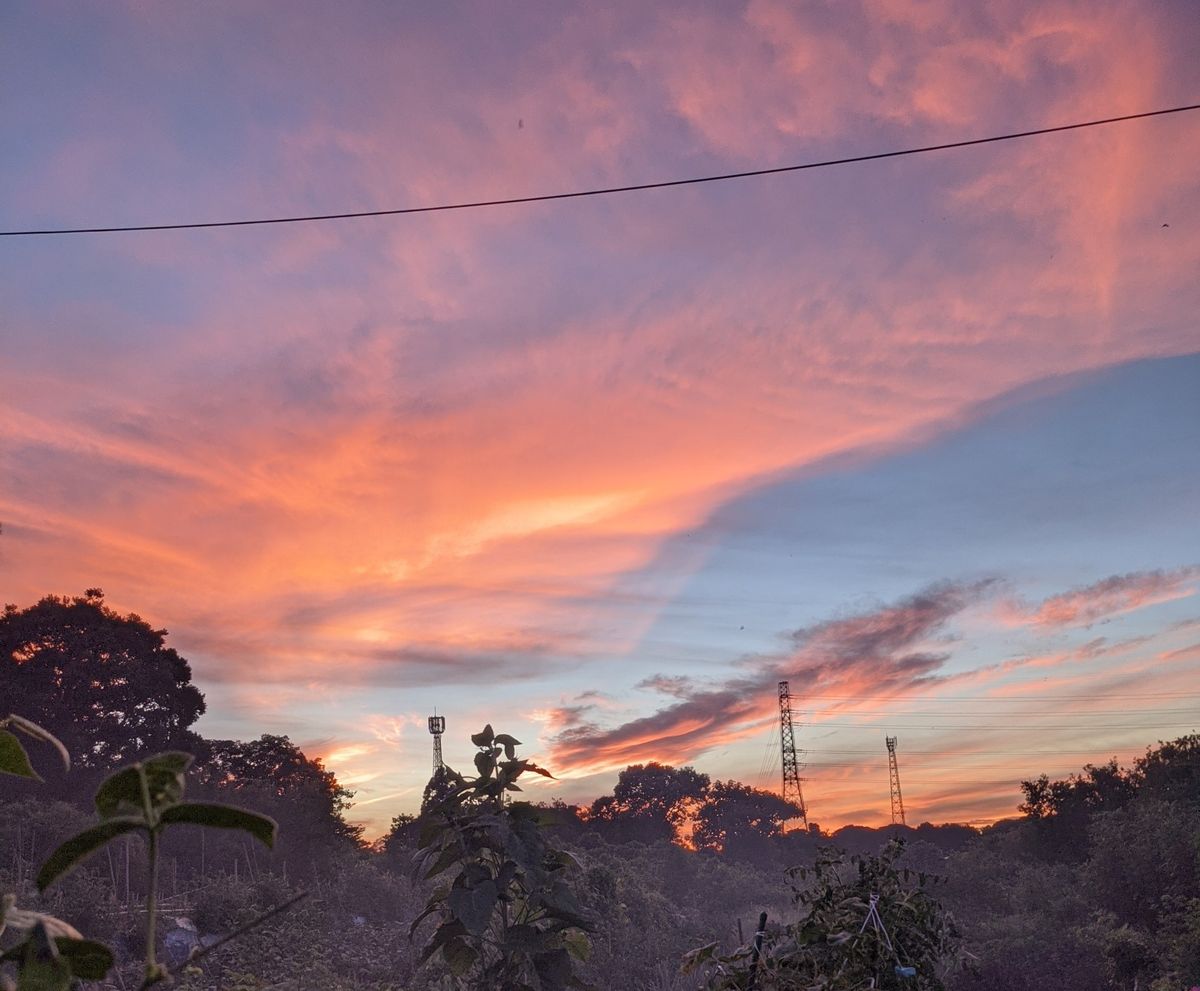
(1109,597)
(877,652)
(387,452)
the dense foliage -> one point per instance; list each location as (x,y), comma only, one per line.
(104,684)
(508,916)
(862,923)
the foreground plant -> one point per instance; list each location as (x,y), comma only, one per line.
(865,923)
(507,916)
(14,759)
(51,952)
(144,798)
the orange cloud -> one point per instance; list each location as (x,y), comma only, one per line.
(400,453)
(874,652)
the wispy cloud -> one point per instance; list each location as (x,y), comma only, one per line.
(427,452)
(878,652)
(1109,597)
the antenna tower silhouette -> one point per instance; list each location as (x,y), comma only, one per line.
(894,778)
(437,726)
(789,760)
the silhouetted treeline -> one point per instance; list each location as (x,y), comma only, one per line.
(1096,884)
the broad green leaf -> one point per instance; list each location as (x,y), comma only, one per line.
(30,728)
(444,860)
(483,738)
(121,794)
(474,906)
(13,759)
(429,909)
(42,969)
(553,969)
(78,847)
(460,957)
(577,944)
(262,828)
(88,959)
(53,974)
(524,938)
(441,936)
(484,764)
(508,871)
(164,773)
(509,744)
(568,859)
(530,766)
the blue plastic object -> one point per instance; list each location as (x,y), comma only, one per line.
(906,971)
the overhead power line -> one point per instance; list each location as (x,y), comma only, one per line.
(976,727)
(1009,700)
(606,190)
(887,714)
(944,755)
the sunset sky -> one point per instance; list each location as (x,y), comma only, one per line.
(921,435)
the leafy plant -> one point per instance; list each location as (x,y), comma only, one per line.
(507,916)
(52,952)
(106,684)
(13,757)
(836,945)
(144,798)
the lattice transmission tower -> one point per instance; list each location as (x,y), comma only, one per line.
(789,760)
(894,779)
(437,726)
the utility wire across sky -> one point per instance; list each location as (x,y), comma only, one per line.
(604,191)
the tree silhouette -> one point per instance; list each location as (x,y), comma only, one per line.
(273,776)
(738,820)
(107,685)
(1171,771)
(650,802)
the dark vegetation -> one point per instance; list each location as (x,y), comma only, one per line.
(659,885)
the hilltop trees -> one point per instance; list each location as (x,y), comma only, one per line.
(109,687)
(273,776)
(1059,812)
(737,820)
(1099,884)
(105,684)
(1171,771)
(650,802)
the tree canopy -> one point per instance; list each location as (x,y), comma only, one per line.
(105,684)
(651,801)
(735,819)
(273,776)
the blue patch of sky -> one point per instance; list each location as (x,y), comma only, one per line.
(1048,491)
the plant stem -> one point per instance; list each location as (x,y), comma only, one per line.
(152,906)
(153,971)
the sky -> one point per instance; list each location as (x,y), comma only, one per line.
(920,436)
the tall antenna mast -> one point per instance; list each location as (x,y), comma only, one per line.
(787,746)
(894,779)
(437,726)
